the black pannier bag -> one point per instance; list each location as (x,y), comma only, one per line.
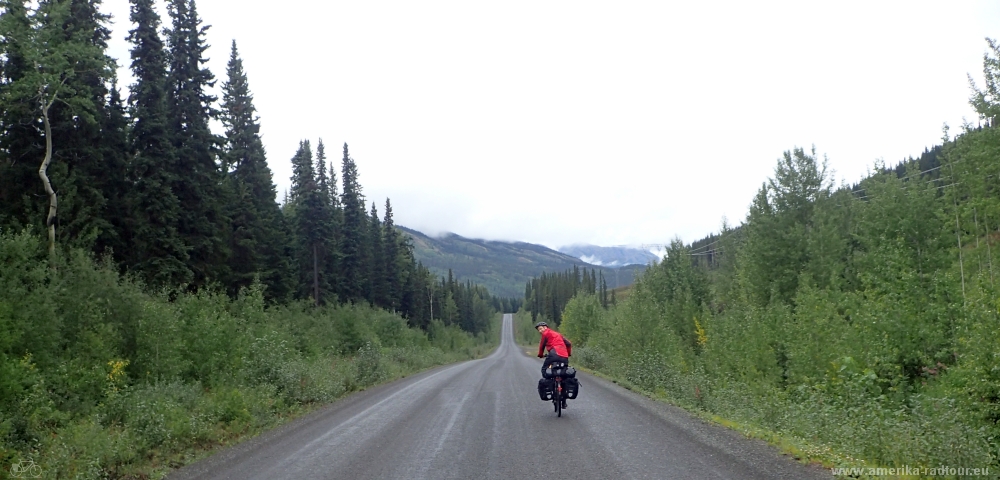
(545,387)
(570,372)
(572,387)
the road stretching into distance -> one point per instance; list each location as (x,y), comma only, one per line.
(483,419)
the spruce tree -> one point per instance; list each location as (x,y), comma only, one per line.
(309,210)
(203,224)
(418,295)
(21,138)
(325,223)
(354,234)
(376,273)
(322,179)
(333,260)
(394,261)
(157,251)
(116,186)
(604,292)
(304,203)
(258,238)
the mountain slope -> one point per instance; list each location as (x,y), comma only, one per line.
(502,267)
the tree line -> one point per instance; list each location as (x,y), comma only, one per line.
(547,295)
(145,182)
(856,320)
(155,297)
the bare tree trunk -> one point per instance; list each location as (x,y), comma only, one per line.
(50,221)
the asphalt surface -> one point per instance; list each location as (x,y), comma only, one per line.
(483,419)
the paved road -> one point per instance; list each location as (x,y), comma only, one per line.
(483,419)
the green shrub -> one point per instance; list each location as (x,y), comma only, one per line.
(100,379)
(369,365)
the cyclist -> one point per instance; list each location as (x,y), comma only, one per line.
(559,347)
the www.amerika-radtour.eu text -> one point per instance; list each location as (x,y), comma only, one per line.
(907,470)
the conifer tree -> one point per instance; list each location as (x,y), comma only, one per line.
(203,225)
(394,261)
(334,258)
(21,137)
(376,272)
(334,194)
(306,203)
(416,303)
(322,179)
(157,250)
(325,223)
(116,185)
(354,234)
(259,238)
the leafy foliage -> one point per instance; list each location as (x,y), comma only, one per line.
(100,378)
(858,323)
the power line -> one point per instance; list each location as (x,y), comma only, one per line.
(909,176)
(862,197)
(717,240)
(694,250)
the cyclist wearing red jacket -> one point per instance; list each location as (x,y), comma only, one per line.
(559,347)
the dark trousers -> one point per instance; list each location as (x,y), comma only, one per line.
(550,359)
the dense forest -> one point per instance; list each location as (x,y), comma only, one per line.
(547,295)
(145,181)
(856,324)
(155,297)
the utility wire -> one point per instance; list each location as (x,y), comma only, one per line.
(908,176)
(862,197)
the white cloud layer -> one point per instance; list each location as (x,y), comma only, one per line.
(604,123)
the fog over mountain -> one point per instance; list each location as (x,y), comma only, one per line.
(504,267)
(610,256)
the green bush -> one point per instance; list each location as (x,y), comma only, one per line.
(101,379)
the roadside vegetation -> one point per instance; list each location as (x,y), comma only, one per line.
(213,311)
(100,379)
(856,325)
(524,331)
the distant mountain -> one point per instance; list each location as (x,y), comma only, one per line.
(502,267)
(610,256)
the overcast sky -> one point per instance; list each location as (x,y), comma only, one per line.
(610,123)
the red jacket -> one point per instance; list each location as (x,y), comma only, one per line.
(555,341)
